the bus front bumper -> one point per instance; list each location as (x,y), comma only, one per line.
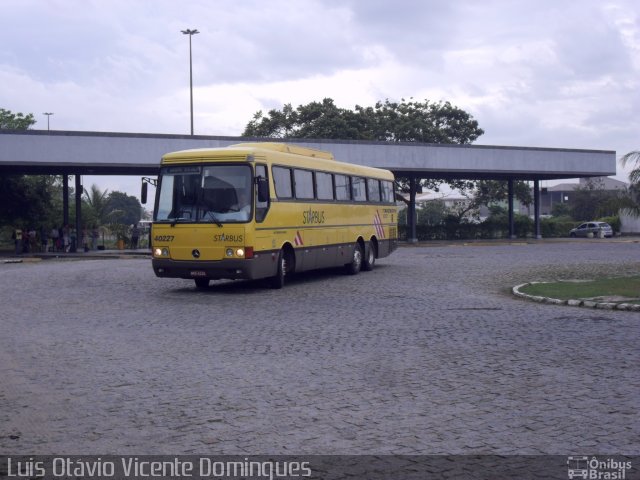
(261,266)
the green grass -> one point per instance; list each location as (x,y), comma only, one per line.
(628,287)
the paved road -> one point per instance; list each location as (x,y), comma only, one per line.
(427,354)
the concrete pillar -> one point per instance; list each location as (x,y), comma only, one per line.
(65,199)
(536,208)
(512,227)
(78,195)
(412,236)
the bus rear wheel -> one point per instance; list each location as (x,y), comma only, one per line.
(355,265)
(202,283)
(370,257)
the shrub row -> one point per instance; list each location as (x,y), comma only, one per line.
(498,227)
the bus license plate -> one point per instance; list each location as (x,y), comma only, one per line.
(198,273)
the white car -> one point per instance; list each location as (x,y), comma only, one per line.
(592,229)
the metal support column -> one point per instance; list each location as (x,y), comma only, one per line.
(412,236)
(512,228)
(65,200)
(536,208)
(78,214)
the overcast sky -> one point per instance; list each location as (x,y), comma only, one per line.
(539,73)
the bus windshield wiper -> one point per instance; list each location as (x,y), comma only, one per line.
(213,218)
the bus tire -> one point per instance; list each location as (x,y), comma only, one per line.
(202,283)
(277,281)
(370,257)
(355,265)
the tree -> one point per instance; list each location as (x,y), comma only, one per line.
(591,201)
(123,209)
(488,191)
(427,122)
(30,200)
(630,158)
(97,201)
(15,121)
(634,178)
(432,212)
(405,121)
(25,199)
(561,210)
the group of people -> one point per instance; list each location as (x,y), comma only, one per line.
(63,239)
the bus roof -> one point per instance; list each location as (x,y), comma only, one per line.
(276,153)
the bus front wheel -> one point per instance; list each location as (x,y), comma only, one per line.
(277,281)
(355,265)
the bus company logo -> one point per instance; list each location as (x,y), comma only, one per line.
(228,238)
(597,469)
(297,240)
(310,217)
(377,224)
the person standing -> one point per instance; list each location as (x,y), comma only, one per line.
(65,238)
(73,236)
(17,238)
(54,239)
(33,241)
(95,233)
(44,239)
(135,236)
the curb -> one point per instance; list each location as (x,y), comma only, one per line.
(91,255)
(573,303)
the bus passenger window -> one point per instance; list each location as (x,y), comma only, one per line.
(343,188)
(324,186)
(304,183)
(373,190)
(282,180)
(387,191)
(359,192)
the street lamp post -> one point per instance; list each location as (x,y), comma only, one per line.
(48,114)
(190,33)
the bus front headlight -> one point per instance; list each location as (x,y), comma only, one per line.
(161,252)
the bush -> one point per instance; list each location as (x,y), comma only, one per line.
(497,226)
(6,242)
(557,226)
(451,228)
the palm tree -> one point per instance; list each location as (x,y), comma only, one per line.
(634,177)
(633,157)
(98,201)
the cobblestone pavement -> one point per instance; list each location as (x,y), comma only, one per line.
(427,354)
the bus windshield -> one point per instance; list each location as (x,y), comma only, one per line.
(205,194)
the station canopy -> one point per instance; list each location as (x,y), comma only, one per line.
(100,153)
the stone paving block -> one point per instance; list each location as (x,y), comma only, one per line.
(428,353)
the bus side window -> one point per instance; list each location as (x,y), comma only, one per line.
(343,187)
(324,186)
(359,189)
(387,192)
(282,182)
(373,190)
(262,207)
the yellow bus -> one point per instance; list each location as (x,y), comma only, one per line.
(267,210)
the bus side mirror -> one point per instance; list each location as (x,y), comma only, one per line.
(263,190)
(143,193)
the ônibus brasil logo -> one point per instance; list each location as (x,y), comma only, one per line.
(595,468)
